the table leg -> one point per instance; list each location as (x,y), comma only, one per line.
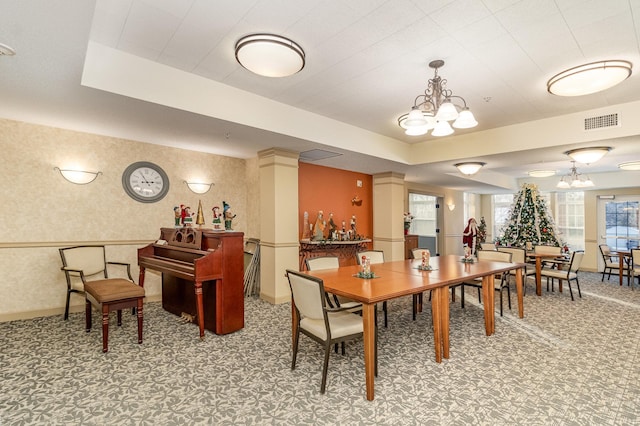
(519,291)
(489,303)
(444,321)
(621,267)
(538,276)
(369,347)
(436,308)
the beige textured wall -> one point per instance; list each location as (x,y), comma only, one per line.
(42,211)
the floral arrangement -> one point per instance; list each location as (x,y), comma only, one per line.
(408,217)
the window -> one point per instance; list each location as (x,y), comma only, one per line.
(569,215)
(470,206)
(423,209)
(501,204)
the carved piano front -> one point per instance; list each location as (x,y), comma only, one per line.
(202,276)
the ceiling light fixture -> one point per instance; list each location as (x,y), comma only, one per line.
(470,168)
(270,55)
(6,50)
(435,109)
(574,179)
(541,173)
(631,165)
(589,78)
(588,155)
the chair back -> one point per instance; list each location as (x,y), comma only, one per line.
(576,260)
(548,250)
(518,255)
(416,253)
(308,294)
(494,256)
(605,251)
(635,258)
(488,246)
(323,262)
(375,256)
(91,260)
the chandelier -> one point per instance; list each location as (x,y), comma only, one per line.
(435,109)
(574,179)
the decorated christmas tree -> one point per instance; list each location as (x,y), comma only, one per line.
(481,236)
(529,220)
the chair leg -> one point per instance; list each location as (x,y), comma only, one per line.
(479,295)
(105,327)
(119,317)
(415,306)
(66,309)
(570,291)
(296,338)
(509,296)
(384,309)
(461,295)
(500,301)
(87,315)
(139,312)
(578,285)
(325,367)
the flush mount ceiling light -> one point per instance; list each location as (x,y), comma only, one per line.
(270,55)
(435,109)
(541,173)
(574,179)
(588,155)
(6,50)
(631,165)
(589,78)
(470,168)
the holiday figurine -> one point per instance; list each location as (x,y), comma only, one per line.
(177,215)
(332,227)
(469,236)
(228,216)
(187,216)
(319,228)
(217,218)
(306,230)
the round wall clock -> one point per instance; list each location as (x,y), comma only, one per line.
(145,182)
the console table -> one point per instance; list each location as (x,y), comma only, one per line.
(344,250)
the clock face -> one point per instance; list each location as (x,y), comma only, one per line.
(145,182)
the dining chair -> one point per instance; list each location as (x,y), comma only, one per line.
(107,294)
(500,280)
(551,250)
(611,262)
(519,255)
(569,274)
(634,267)
(416,253)
(325,325)
(487,246)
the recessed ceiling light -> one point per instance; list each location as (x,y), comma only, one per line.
(541,173)
(270,55)
(589,78)
(631,165)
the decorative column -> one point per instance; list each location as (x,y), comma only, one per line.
(388,214)
(278,222)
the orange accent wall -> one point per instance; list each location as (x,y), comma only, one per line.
(331,190)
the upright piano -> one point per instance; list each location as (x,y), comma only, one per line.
(202,276)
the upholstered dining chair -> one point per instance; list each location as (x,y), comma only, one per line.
(487,246)
(553,250)
(374,256)
(500,280)
(519,255)
(325,325)
(107,294)
(416,253)
(567,274)
(611,262)
(634,267)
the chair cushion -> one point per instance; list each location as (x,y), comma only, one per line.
(113,289)
(341,324)
(554,273)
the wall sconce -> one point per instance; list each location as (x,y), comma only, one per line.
(451,207)
(198,187)
(79,177)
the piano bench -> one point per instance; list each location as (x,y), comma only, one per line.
(110,295)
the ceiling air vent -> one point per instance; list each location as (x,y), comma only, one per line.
(601,122)
(317,154)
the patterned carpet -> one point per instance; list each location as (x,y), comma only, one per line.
(565,363)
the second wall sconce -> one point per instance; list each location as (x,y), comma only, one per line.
(451,207)
(199,187)
(79,177)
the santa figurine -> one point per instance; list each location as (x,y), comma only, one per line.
(469,236)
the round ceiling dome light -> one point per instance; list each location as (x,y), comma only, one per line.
(270,55)
(589,78)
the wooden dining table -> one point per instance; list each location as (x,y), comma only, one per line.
(403,278)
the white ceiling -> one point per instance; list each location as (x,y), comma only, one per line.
(366,60)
